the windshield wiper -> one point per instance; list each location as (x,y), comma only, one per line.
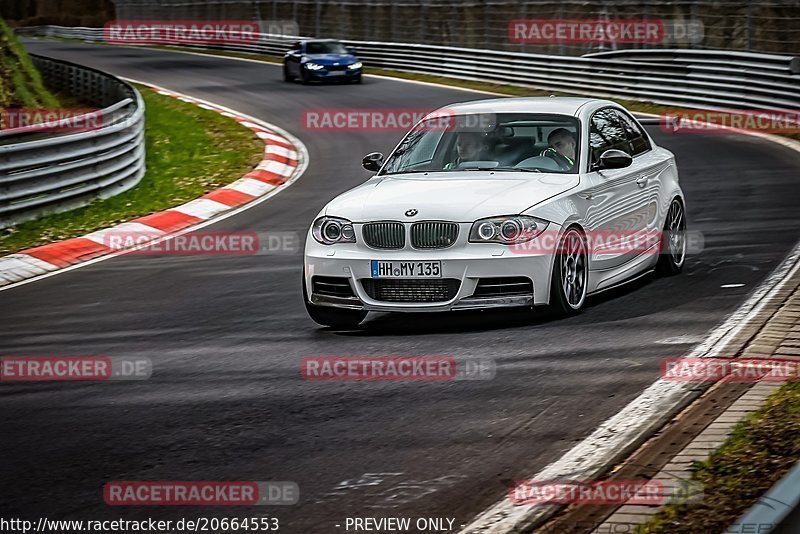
(504,169)
(517,169)
(404,172)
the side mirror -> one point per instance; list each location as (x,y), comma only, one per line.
(373,162)
(351,50)
(614,159)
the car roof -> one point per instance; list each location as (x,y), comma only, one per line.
(557,105)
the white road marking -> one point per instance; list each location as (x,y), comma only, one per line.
(281,151)
(271,137)
(129,229)
(276,166)
(250,187)
(680,340)
(202,208)
(15,267)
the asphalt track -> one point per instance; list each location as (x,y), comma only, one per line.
(226,335)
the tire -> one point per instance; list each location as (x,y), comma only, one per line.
(357,79)
(338,318)
(286,76)
(672,253)
(305,79)
(569,282)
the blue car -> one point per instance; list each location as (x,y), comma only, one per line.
(321,60)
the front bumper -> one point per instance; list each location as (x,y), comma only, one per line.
(465,262)
(325,74)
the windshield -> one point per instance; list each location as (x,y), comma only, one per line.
(325,48)
(521,142)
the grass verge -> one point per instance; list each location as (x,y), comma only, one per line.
(760,451)
(20,82)
(190,151)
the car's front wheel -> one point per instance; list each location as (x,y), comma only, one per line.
(570,273)
(338,318)
(673,241)
(357,79)
(286,76)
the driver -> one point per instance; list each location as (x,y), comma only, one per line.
(469,147)
(562,148)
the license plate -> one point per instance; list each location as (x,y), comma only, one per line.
(406,269)
(336,73)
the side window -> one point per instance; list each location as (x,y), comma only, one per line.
(605,133)
(638,139)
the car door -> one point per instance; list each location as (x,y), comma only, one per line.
(650,165)
(617,211)
(293,59)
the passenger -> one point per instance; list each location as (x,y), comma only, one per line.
(470,146)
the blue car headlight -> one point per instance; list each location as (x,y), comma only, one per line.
(314,66)
(354,66)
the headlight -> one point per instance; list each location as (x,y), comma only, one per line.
(314,66)
(507,230)
(330,230)
(354,66)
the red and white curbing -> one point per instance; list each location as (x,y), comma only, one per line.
(280,166)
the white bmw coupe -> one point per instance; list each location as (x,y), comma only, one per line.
(503,202)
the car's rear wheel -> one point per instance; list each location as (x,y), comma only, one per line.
(570,273)
(672,253)
(333,317)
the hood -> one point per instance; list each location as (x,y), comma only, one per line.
(441,196)
(330,59)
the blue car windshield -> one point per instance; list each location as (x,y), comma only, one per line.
(516,142)
(325,48)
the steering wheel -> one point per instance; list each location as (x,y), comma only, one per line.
(562,161)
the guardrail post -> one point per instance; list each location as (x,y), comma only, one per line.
(423,23)
(392,17)
(317,10)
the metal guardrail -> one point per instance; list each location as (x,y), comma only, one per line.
(692,78)
(777,512)
(50,173)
